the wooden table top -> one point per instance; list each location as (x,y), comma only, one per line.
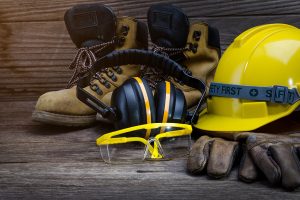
(47,162)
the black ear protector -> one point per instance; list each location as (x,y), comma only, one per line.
(136,105)
(133,103)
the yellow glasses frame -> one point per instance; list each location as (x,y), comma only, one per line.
(110,138)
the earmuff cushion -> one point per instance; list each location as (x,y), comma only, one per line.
(130,104)
(179,110)
(177,104)
(120,98)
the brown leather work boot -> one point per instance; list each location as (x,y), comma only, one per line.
(93,40)
(196,47)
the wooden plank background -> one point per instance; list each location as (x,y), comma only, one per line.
(35,48)
(46,162)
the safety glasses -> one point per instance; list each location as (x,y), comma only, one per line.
(115,147)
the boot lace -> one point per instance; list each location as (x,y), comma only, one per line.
(154,75)
(84,59)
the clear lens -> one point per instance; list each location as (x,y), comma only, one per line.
(165,148)
(122,153)
(176,147)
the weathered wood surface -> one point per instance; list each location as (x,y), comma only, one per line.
(45,162)
(35,48)
(43,10)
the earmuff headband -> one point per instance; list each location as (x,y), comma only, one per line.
(136,57)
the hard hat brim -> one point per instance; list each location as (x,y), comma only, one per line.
(212,122)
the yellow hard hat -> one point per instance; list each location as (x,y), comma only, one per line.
(256,82)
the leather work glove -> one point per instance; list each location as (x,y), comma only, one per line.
(214,154)
(276,156)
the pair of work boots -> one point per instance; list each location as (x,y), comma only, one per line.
(96,31)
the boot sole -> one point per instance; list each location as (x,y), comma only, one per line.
(63,120)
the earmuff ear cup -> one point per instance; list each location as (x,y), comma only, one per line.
(131,102)
(172,108)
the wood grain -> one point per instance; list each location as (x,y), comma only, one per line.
(43,10)
(34,60)
(46,162)
(96,180)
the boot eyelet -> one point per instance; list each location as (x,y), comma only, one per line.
(96,89)
(117,69)
(102,81)
(197,35)
(109,72)
(114,78)
(111,75)
(99,92)
(124,30)
(107,85)
(193,47)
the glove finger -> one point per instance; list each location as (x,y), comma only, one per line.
(286,157)
(266,164)
(199,154)
(248,172)
(222,156)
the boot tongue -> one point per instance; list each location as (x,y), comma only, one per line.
(90,24)
(168,26)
